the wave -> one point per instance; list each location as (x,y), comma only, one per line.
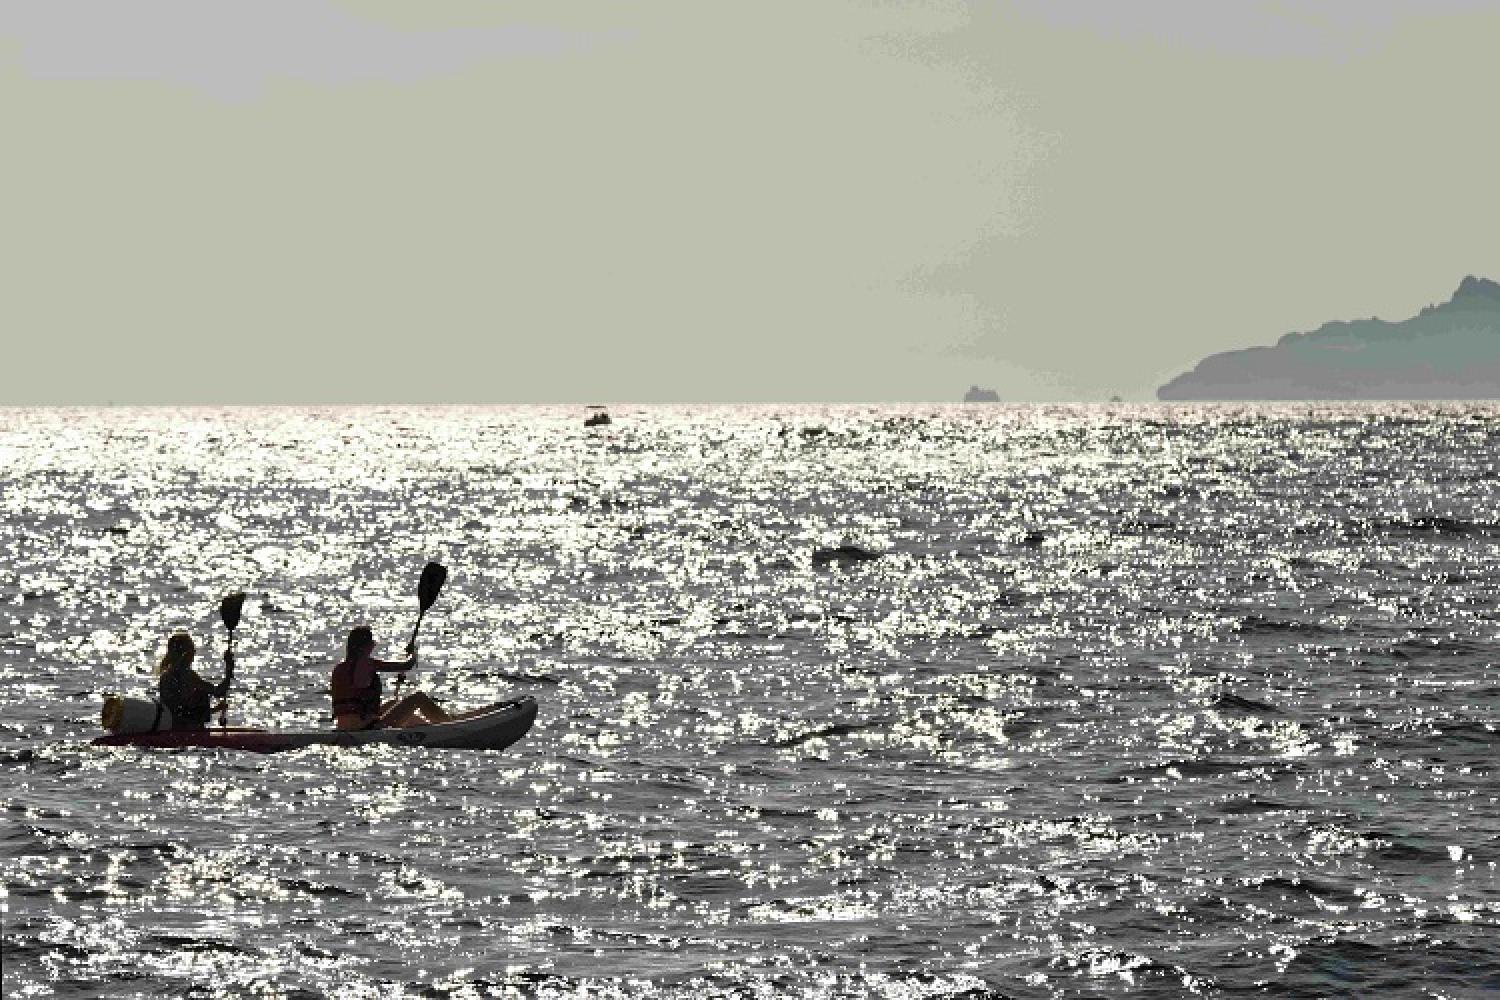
(837,729)
(180,942)
(843,554)
(1407,847)
(1256,624)
(1410,649)
(1301,883)
(1468,731)
(1193,767)
(1234,703)
(1423,526)
(1254,806)
(315,888)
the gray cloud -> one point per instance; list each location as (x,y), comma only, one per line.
(232,50)
(781,200)
(1258,28)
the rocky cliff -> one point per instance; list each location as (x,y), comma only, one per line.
(1447,351)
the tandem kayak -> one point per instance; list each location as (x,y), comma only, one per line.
(495,729)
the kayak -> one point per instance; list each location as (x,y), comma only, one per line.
(494,729)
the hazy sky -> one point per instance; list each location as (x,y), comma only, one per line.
(312,200)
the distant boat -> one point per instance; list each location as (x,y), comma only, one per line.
(978,395)
(599,418)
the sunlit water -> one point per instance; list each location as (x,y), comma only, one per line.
(857,701)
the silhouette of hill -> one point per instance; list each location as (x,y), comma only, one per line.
(1447,351)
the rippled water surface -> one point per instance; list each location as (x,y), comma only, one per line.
(851,701)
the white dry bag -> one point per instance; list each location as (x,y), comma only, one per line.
(134,715)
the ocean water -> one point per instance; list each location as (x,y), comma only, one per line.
(859,701)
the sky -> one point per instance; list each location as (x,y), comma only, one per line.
(293,201)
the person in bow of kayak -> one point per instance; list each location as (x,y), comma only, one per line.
(357,690)
(185,694)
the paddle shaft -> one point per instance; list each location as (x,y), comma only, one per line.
(224,705)
(415,629)
(401,677)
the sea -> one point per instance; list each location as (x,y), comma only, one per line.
(918,701)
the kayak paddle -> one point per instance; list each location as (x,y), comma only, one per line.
(229,610)
(434,575)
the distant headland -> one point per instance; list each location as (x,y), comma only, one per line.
(978,395)
(1447,351)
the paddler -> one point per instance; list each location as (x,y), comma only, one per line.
(356,690)
(185,694)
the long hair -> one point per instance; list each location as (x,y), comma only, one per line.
(180,651)
(360,641)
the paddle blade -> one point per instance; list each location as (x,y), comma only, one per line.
(433,578)
(229,610)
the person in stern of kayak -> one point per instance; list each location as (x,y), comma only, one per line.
(356,690)
(185,694)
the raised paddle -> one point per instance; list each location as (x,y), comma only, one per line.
(434,575)
(229,610)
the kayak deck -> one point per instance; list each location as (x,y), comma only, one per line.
(494,729)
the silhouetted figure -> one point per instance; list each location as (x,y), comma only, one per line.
(183,693)
(357,690)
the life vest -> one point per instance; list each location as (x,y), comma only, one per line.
(187,697)
(347,699)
